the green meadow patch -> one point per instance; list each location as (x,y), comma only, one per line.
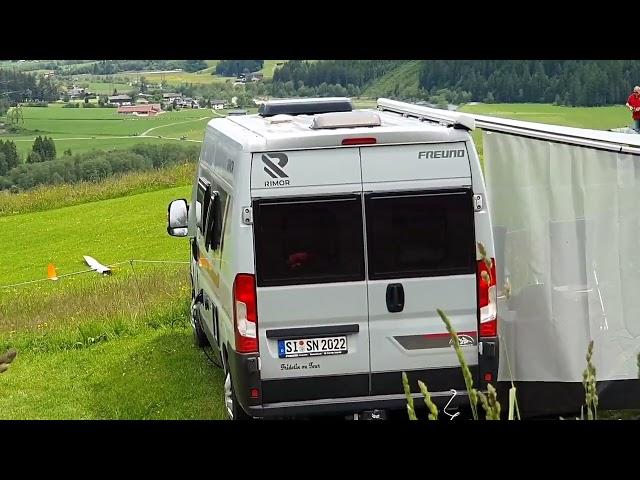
(114,230)
(156,374)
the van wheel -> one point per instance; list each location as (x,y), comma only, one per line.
(199,337)
(232,408)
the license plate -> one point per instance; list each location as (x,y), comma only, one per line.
(311,347)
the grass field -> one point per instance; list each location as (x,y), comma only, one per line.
(201,77)
(91,346)
(269,67)
(80,122)
(597,118)
(83,129)
(49,197)
(110,230)
(103,88)
(157,374)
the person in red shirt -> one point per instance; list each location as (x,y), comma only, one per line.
(633,104)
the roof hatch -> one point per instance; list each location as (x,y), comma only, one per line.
(358,118)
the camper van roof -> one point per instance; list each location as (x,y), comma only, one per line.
(258,133)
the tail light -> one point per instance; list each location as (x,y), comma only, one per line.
(487,299)
(245,313)
(359,141)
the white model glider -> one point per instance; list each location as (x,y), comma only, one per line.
(97,266)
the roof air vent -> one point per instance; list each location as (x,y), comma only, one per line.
(360,118)
(280,119)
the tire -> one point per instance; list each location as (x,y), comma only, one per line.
(232,408)
(199,338)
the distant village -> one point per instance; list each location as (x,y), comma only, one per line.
(145,104)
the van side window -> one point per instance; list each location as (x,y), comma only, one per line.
(420,234)
(312,240)
(215,217)
(225,228)
(202,204)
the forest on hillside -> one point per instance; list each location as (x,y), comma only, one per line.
(563,82)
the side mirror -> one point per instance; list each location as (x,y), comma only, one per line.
(177,215)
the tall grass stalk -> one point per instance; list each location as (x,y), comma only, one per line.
(590,385)
(466,373)
(433,409)
(407,391)
(48,197)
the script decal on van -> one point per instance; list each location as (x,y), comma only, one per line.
(274,164)
(457,153)
(297,366)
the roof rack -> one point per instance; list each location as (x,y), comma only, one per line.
(305,106)
(450,119)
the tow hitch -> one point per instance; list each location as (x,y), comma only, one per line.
(369,415)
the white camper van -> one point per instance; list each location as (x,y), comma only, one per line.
(323,239)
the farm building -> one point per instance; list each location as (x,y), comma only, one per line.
(188,102)
(76,92)
(217,104)
(170,97)
(149,110)
(120,100)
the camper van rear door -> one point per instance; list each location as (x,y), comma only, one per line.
(312,300)
(420,242)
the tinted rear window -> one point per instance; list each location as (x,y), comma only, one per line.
(418,235)
(312,240)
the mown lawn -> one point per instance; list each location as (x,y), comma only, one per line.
(101,347)
(112,230)
(156,374)
(85,129)
(597,118)
(78,122)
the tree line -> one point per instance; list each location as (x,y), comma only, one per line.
(9,157)
(43,150)
(569,82)
(358,73)
(90,166)
(24,87)
(563,82)
(229,68)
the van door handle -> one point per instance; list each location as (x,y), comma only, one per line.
(395,297)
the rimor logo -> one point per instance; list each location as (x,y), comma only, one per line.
(274,164)
(441,154)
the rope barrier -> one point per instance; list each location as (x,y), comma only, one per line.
(29,282)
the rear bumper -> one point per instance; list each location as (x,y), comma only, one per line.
(354,405)
(344,394)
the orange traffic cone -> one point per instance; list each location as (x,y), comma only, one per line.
(51,272)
